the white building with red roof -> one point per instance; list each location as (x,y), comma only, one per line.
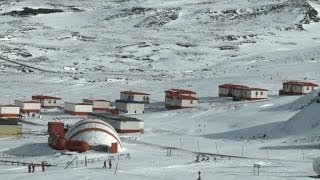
(9,111)
(135,96)
(227,90)
(180,98)
(98,104)
(48,101)
(29,107)
(251,93)
(241,92)
(297,88)
(130,107)
(77,109)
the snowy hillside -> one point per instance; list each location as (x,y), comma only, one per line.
(94,49)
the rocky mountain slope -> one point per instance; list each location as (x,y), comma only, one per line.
(167,38)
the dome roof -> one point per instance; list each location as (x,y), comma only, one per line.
(95,132)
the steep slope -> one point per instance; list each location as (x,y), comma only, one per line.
(306,122)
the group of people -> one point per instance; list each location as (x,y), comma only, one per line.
(31,167)
(105,164)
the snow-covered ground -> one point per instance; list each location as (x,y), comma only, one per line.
(97,49)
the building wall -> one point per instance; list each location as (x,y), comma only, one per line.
(307,89)
(9,110)
(224,91)
(135,97)
(135,108)
(83,108)
(238,92)
(98,105)
(256,94)
(287,88)
(101,104)
(123,126)
(115,124)
(130,108)
(69,107)
(141,98)
(172,102)
(51,102)
(121,106)
(188,103)
(31,106)
(28,107)
(10,130)
(297,89)
(132,125)
(182,94)
(181,102)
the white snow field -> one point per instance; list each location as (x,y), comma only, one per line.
(94,49)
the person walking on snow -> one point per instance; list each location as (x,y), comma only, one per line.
(29,168)
(33,167)
(110,164)
(105,164)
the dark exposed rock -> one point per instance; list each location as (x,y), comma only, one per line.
(161,18)
(32,12)
(228,48)
(186,45)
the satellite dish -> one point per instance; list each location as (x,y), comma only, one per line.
(316,165)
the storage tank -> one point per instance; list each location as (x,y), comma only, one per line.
(79,146)
(95,132)
(56,128)
(56,142)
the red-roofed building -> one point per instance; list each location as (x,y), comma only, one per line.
(98,104)
(9,111)
(48,101)
(297,88)
(135,96)
(31,108)
(241,92)
(77,109)
(180,98)
(252,94)
(227,90)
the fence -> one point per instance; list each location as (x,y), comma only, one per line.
(19,163)
(11,155)
(86,161)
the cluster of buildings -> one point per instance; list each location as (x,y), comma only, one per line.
(132,102)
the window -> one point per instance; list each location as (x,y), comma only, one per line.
(135,112)
(50,101)
(191,101)
(261,93)
(257,93)
(54,101)
(307,87)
